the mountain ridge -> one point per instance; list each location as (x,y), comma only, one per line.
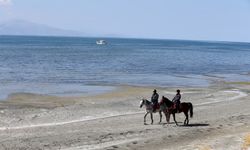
(22,27)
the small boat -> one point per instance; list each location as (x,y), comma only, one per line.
(101,42)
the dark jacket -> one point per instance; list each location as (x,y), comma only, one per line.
(177,98)
(154,98)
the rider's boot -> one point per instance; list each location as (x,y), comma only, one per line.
(178,108)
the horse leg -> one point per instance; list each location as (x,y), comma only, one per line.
(160,116)
(174,119)
(168,119)
(152,121)
(167,116)
(186,120)
(145,117)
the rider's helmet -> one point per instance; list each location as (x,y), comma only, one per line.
(154,91)
(178,91)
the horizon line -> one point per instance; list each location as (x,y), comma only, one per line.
(127,37)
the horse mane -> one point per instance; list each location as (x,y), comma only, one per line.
(147,101)
(167,101)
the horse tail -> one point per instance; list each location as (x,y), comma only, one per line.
(191,110)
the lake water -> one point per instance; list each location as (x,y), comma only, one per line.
(72,66)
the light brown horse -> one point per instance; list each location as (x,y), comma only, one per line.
(184,107)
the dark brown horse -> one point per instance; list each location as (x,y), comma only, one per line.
(184,107)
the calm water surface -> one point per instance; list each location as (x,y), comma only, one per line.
(66,65)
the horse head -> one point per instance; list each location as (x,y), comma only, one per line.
(142,102)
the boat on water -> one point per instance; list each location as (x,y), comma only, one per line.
(101,42)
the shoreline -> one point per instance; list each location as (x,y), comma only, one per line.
(78,90)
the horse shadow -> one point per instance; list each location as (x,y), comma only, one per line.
(195,125)
(170,123)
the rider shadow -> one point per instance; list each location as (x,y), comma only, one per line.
(195,125)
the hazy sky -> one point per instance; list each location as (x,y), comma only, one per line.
(227,20)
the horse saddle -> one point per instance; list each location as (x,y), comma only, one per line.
(175,106)
(156,106)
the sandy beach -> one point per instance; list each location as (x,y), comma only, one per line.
(114,120)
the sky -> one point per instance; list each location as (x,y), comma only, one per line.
(213,20)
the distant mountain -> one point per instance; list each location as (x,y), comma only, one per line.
(21,27)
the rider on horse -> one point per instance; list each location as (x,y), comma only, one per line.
(154,99)
(177,99)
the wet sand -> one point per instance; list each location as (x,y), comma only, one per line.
(114,120)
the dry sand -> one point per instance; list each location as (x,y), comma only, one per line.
(114,121)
